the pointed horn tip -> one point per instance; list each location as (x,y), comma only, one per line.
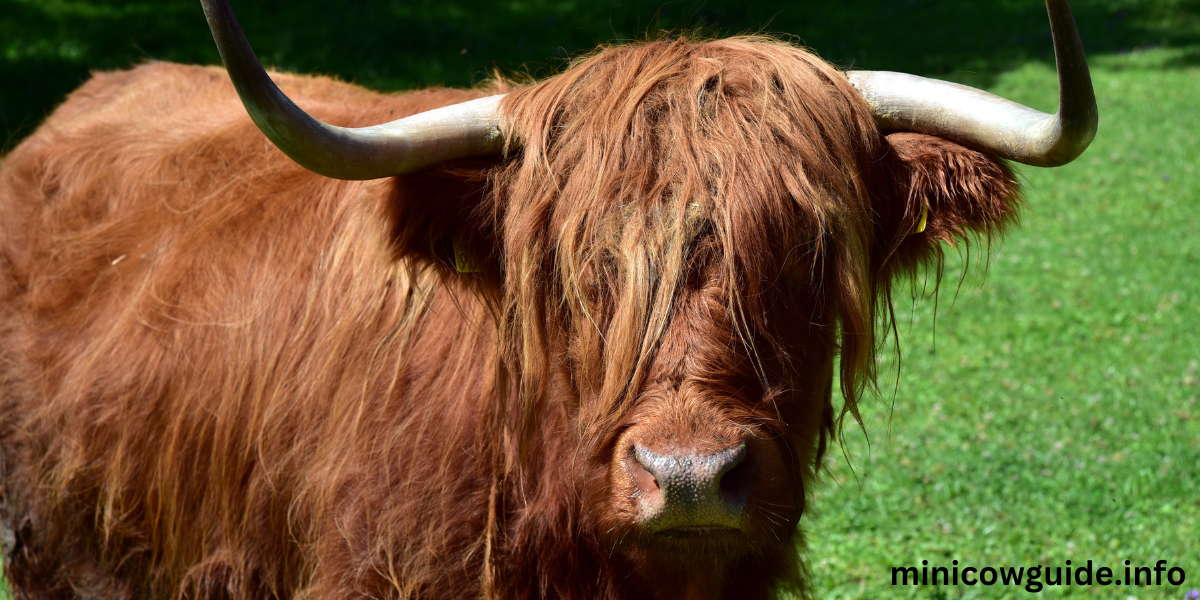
(989,123)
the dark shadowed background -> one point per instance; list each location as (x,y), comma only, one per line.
(50,45)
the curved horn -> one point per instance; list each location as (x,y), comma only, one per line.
(901,102)
(464,130)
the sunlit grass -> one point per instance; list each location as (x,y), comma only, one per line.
(1055,414)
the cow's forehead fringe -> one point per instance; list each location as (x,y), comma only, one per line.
(636,151)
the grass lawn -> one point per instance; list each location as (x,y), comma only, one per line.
(1053,416)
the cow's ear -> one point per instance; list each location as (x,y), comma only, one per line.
(441,219)
(936,191)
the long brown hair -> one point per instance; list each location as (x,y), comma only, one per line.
(633,151)
(223,375)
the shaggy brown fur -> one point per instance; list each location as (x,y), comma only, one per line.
(222,376)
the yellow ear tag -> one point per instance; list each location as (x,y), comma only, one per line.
(463,263)
(924,219)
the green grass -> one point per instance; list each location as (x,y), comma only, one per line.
(1056,416)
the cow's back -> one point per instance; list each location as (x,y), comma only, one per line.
(193,331)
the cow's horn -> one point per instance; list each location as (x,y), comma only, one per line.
(990,123)
(470,129)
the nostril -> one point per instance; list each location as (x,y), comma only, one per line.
(643,473)
(729,459)
(645,458)
(735,478)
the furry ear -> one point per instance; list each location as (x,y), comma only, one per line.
(441,219)
(935,191)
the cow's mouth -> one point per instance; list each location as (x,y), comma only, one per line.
(697,542)
(693,532)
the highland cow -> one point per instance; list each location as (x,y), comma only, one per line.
(577,341)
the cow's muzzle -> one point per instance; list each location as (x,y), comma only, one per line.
(683,494)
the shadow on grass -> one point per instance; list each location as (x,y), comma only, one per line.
(49,46)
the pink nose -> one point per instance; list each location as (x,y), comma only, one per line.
(691,493)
